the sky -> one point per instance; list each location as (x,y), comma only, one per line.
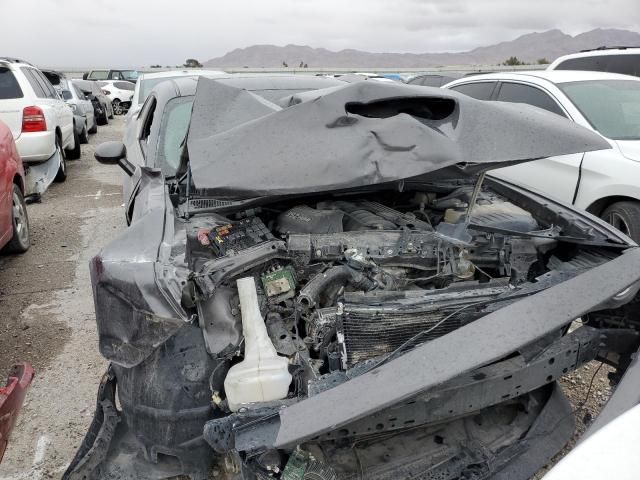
(136,33)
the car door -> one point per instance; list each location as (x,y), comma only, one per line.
(556,176)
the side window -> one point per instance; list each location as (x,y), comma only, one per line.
(594,64)
(125,86)
(478,90)
(78,92)
(46,84)
(625,64)
(519,93)
(9,86)
(35,84)
(116,76)
(147,114)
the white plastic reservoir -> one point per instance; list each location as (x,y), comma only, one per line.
(263,375)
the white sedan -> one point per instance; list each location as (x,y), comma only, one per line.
(119,92)
(606,183)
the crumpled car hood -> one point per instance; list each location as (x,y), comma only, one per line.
(242,146)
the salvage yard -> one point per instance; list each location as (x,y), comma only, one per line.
(47,318)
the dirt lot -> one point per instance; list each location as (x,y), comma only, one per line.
(46,312)
(47,318)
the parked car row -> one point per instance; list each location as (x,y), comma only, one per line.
(45,117)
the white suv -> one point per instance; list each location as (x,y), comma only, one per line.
(624,60)
(40,121)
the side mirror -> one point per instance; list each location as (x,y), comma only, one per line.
(112,153)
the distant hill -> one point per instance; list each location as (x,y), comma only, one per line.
(530,47)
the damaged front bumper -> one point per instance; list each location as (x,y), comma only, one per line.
(491,372)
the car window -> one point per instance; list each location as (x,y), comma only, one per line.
(520,93)
(125,86)
(478,90)
(98,75)
(35,84)
(130,75)
(9,86)
(625,64)
(173,129)
(432,81)
(148,111)
(149,84)
(612,107)
(66,95)
(46,84)
(79,92)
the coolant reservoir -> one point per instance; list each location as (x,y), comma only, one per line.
(263,375)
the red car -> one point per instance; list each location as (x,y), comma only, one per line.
(14,222)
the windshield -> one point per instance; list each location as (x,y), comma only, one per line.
(175,123)
(131,75)
(147,85)
(612,107)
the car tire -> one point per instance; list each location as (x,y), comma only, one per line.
(74,153)
(21,240)
(94,129)
(61,176)
(625,216)
(117,107)
(84,134)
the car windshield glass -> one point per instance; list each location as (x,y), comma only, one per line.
(9,87)
(131,75)
(98,75)
(147,85)
(173,129)
(66,94)
(612,107)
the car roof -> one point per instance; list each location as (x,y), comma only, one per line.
(599,52)
(186,85)
(178,73)
(552,76)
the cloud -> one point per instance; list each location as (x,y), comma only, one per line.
(67,33)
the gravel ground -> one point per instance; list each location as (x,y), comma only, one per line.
(47,318)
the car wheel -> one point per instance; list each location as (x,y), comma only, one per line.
(21,240)
(625,216)
(84,135)
(61,176)
(94,128)
(117,107)
(74,153)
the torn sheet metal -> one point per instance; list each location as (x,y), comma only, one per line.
(39,176)
(367,133)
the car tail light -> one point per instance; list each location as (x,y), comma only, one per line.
(33,120)
(106,92)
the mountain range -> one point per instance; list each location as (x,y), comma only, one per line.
(528,48)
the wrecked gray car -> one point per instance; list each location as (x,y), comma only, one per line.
(318,282)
